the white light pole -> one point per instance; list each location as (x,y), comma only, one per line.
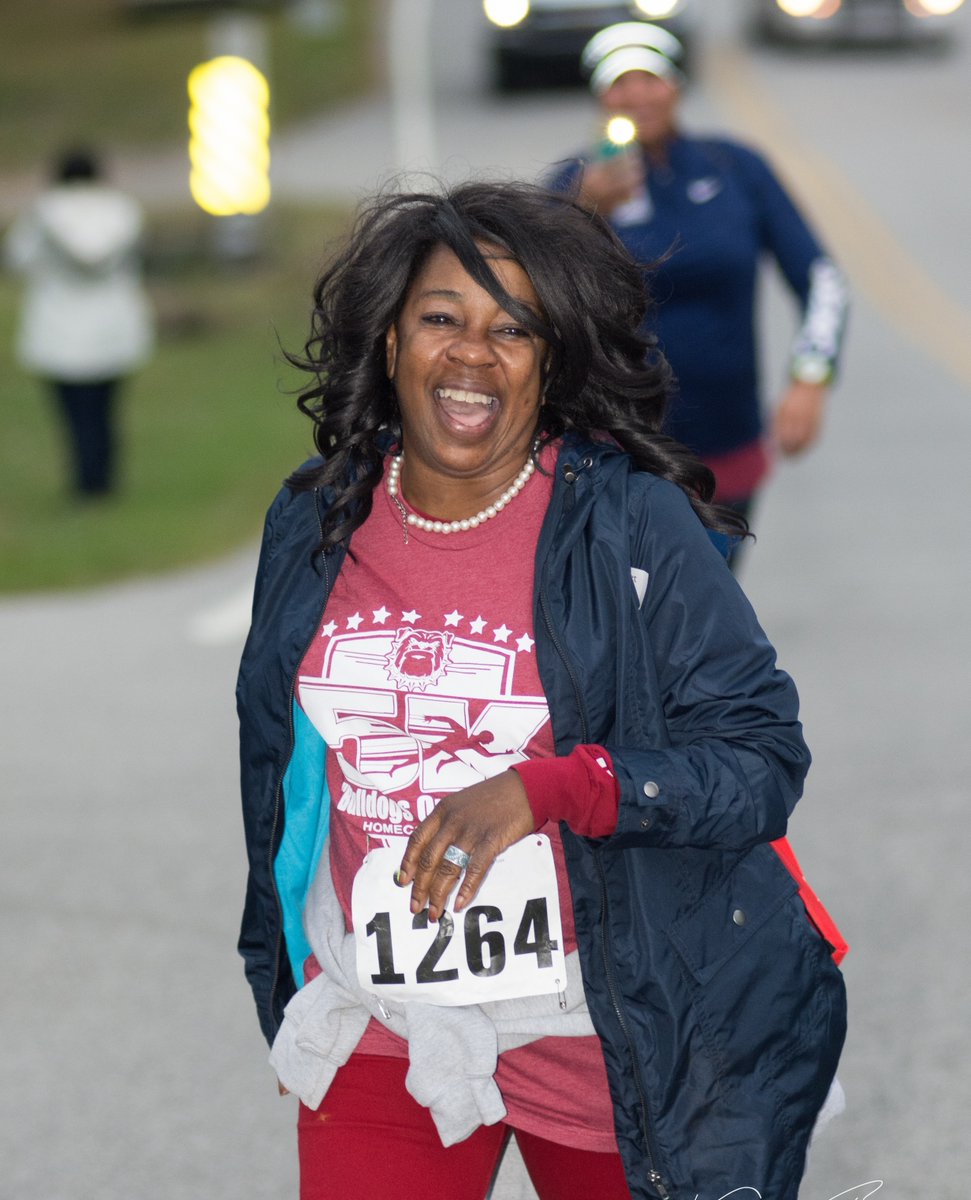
(410,76)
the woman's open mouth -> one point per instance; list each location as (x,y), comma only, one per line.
(467,409)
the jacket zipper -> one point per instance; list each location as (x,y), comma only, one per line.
(654,1177)
(653,1174)
(279,784)
(570,475)
(561,651)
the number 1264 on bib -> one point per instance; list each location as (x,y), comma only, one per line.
(508,943)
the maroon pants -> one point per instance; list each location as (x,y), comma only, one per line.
(371,1141)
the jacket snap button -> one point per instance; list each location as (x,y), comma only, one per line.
(739,917)
(646,823)
(651,789)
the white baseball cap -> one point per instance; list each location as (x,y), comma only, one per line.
(631,46)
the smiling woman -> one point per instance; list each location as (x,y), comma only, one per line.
(468,378)
(535,744)
(466,293)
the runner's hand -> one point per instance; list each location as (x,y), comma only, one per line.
(798,418)
(609,182)
(482,820)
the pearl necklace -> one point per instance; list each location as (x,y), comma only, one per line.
(486,514)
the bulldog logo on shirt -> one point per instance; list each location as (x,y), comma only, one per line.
(419,657)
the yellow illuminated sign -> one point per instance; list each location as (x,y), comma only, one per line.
(229,144)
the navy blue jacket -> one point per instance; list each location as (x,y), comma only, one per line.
(719,1008)
(717,210)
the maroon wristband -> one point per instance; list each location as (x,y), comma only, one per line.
(580,789)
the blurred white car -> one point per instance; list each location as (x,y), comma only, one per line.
(861,22)
(537,43)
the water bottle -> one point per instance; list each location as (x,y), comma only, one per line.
(620,139)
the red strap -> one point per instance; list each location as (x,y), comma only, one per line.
(814,906)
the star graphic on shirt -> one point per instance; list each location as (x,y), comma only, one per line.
(502,633)
(411,617)
(380,615)
(328,629)
(355,621)
(477,625)
(453,618)
(525,643)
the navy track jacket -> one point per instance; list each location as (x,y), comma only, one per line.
(719,212)
(718,1005)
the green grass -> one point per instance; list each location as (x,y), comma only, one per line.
(87,71)
(210,425)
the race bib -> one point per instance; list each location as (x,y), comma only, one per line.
(508,942)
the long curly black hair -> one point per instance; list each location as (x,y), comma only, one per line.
(604,376)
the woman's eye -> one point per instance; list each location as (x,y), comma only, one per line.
(437,319)
(515,331)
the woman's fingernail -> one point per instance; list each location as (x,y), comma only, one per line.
(397,878)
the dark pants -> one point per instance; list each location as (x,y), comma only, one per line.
(87,410)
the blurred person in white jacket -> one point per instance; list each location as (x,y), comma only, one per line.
(86,321)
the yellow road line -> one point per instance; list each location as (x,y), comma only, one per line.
(867,249)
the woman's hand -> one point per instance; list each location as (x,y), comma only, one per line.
(799,417)
(482,820)
(611,181)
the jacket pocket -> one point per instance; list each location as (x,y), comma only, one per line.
(728,916)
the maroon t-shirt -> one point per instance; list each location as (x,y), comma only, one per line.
(422,681)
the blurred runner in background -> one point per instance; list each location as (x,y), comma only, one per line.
(86,321)
(702,212)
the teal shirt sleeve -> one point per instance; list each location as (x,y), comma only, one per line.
(306,806)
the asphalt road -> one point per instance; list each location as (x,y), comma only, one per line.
(133,1068)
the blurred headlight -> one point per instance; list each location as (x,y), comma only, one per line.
(657,9)
(808,8)
(933,8)
(505,13)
